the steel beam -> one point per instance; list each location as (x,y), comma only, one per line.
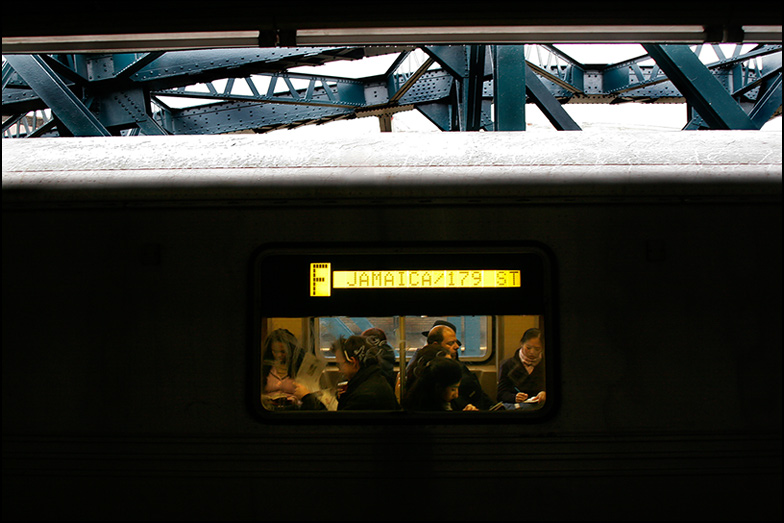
(468,67)
(441,114)
(471,89)
(408,81)
(241,116)
(53,91)
(547,103)
(509,87)
(348,92)
(767,103)
(703,91)
(451,57)
(181,68)
(455,97)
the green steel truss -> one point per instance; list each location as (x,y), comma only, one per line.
(457,87)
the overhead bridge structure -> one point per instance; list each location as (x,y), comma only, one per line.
(457,87)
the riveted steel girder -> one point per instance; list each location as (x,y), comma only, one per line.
(471,89)
(547,103)
(55,93)
(509,89)
(233,90)
(469,67)
(704,92)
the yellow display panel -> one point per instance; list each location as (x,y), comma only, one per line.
(320,275)
(409,279)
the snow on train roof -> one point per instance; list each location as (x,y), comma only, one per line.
(403,164)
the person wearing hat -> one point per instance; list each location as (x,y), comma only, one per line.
(443,334)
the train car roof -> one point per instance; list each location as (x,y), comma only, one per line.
(394,166)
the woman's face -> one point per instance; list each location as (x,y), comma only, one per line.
(532,351)
(279,352)
(348,367)
(450,392)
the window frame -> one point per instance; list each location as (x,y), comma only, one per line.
(262,295)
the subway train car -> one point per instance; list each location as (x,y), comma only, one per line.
(144,276)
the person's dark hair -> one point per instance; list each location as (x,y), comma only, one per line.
(422,358)
(435,375)
(294,353)
(386,354)
(531,334)
(359,347)
(375,332)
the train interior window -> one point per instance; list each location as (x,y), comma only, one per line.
(354,331)
(299,353)
(407,331)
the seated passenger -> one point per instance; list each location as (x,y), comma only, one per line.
(281,358)
(521,378)
(386,358)
(435,387)
(423,356)
(471,395)
(367,388)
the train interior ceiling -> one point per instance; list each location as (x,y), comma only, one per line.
(155,267)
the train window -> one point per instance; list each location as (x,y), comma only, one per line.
(407,332)
(344,333)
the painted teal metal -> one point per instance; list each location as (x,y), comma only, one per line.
(702,90)
(96,94)
(51,88)
(509,88)
(547,103)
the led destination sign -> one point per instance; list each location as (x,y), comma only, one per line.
(323,279)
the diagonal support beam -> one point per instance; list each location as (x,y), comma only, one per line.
(702,90)
(410,81)
(150,127)
(767,103)
(126,65)
(547,103)
(450,57)
(64,104)
(441,114)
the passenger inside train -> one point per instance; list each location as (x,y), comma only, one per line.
(436,381)
(365,388)
(343,303)
(281,360)
(347,371)
(521,379)
(443,334)
(386,358)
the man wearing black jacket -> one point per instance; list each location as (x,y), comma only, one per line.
(470,394)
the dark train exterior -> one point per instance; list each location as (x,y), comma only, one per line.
(129,326)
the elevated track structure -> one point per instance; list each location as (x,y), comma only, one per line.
(457,87)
